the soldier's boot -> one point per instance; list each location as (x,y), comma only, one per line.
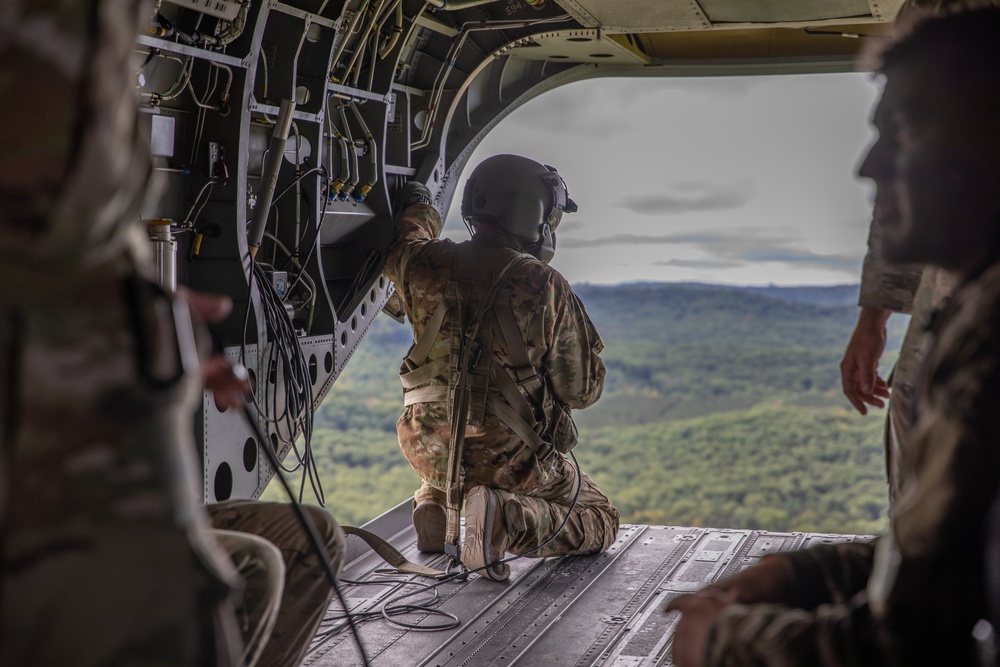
(430,523)
(485,534)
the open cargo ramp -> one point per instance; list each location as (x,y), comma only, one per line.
(570,611)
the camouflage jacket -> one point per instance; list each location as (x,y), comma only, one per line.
(561,341)
(883,285)
(74,169)
(914,599)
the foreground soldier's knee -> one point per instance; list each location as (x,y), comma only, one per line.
(330,534)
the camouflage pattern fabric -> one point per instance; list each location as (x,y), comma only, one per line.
(105,557)
(935,286)
(561,342)
(74,170)
(917,292)
(286,592)
(883,285)
(925,584)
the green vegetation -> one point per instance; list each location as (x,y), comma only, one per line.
(722,407)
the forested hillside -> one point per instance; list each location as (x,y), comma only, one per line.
(722,407)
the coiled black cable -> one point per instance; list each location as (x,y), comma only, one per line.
(393,606)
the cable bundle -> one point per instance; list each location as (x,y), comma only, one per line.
(281,363)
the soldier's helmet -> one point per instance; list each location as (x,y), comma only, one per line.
(523,197)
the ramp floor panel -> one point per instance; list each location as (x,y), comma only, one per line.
(575,611)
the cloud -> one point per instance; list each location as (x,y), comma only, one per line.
(570,111)
(717,87)
(619,239)
(570,226)
(801,256)
(699,263)
(690,196)
(728,250)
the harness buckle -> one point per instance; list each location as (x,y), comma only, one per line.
(477,354)
(530,378)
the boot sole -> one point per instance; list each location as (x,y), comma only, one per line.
(477,550)
(430,538)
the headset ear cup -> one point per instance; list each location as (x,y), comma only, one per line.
(546,243)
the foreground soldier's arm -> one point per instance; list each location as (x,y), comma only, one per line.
(786,591)
(573,360)
(925,589)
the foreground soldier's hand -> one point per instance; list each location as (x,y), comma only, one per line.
(698,613)
(859,368)
(229,384)
(765,582)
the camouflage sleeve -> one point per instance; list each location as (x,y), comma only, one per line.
(573,361)
(825,621)
(929,581)
(828,574)
(770,634)
(419,224)
(883,285)
(74,170)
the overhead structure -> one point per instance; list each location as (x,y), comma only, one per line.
(283,129)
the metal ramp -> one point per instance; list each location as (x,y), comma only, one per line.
(572,611)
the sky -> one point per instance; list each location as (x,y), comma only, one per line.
(732,180)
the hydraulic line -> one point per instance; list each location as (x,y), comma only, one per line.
(343,42)
(180,83)
(437,89)
(375,37)
(363,38)
(345,165)
(295,63)
(397,30)
(455,5)
(345,192)
(362,192)
(235,28)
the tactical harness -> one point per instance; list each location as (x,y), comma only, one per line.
(476,299)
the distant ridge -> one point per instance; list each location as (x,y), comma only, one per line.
(816,295)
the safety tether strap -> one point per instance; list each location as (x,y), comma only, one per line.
(527,377)
(460,409)
(389,554)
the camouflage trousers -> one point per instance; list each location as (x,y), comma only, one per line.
(286,591)
(533,515)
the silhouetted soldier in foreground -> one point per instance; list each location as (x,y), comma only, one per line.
(106,556)
(914,598)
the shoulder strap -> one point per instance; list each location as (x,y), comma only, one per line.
(460,401)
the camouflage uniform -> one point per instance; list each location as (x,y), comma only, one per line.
(104,557)
(914,598)
(107,557)
(916,292)
(286,591)
(561,342)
